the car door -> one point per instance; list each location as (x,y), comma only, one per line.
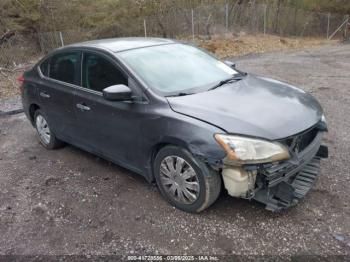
(59,74)
(108,128)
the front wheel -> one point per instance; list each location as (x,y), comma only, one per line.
(184,181)
(46,136)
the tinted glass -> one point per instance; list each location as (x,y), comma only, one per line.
(44,67)
(99,73)
(176,68)
(64,67)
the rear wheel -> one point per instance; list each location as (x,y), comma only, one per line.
(46,136)
(184,181)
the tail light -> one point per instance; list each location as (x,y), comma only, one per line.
(21,82)
(20,79)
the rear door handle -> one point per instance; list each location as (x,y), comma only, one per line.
(44,95)
(83,107)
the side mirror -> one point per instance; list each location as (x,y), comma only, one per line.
(230,64)
(117,93)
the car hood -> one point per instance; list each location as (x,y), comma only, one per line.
(254,106)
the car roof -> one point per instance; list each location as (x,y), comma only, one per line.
(125,43)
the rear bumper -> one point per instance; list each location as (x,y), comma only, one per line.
(283,185)
(25,106)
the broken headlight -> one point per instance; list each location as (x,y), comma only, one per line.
(244,150)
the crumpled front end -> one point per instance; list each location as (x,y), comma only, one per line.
(280,185)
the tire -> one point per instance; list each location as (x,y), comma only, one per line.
(41,123)
(206,180)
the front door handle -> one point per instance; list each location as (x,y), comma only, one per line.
(83,107)
(44,95)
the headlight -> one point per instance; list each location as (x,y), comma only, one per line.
(323,119)
(244,150)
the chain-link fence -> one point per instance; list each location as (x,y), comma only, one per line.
(202,22)
(18,50)
(206,21)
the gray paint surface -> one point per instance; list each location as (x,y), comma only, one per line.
(254,106)
(121,44)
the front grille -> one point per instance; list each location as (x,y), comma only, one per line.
(286,194)
(283,184)
(279,172)
(299,142)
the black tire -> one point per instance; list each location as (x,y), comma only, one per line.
(53,141)
(209,180)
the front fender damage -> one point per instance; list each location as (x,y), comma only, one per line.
(277,185)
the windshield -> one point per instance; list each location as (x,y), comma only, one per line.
(176,68)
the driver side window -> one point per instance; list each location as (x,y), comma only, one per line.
(99,73)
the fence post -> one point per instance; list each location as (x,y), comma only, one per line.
(328,24)
(61,38)
(340,27)
(265,14)
(226,16)
(144,27)
(40,42)
(346,27)
(192,24)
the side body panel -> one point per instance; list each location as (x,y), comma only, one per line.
(54,97)
(110,128)
(29,92)
(56,100)
(161,126)
(126,133)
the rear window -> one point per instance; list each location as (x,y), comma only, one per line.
(64,67)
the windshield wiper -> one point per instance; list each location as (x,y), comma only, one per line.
(235,77)
(226,81)
(181,94)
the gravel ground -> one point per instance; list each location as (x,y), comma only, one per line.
(70,202)
(11,105)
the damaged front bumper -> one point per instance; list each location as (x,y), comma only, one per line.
(280,185)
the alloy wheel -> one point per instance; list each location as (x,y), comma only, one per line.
(43,129)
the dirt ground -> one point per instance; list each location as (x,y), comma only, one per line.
(242,44)
(70,202)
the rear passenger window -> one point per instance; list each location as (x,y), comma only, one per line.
(44,67)
(64,67)
(99,73)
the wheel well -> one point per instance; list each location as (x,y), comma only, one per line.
(153,155)
(156,149)
(168,142)
(32,109)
